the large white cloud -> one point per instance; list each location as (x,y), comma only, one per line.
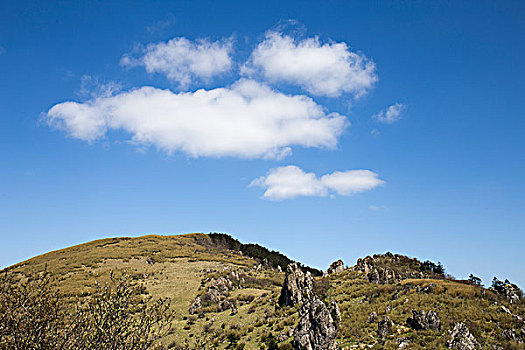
(246,120)
(291,181)
(391,114)
(329,69)
(183,61)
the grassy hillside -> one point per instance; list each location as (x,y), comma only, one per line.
(237,287)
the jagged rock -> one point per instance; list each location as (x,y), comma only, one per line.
(422,321)
(221,285)
(462,339)
(512,293)
(150,261)
(365,265)
(336,313)
(403,342)
(297,287)
(384,327)
(372,317)
(195,305)
(382,276)
(234,310)
(433,321)
(335,267)
(316,329)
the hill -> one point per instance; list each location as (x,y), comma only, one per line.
(225,294)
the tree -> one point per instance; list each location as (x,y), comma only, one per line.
(474,279)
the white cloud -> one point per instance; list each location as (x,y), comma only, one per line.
(291,181)
(391,114)
(329,69)
(376,208)
(183,61)
(246,120)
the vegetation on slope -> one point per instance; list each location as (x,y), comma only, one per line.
(237,287)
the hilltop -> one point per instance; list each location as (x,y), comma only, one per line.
(225,294)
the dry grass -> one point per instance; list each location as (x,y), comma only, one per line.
(183,264)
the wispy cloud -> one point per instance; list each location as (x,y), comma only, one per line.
(184,61)
(328,69)
(376,208)
(391,114)
(291,181)
(246,120)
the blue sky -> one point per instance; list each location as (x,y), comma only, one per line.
(322,130)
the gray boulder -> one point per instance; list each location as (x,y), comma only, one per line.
(336,267)
(461,338)
(316,329)
(422,321)
(195,306)
(298,286)
(335,311)
(372,317)
(384,327)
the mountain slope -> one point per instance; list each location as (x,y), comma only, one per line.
(225,294)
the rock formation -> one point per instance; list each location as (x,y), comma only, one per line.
(422,321)
(316,329)
(372,317)
(336,267)
(298,286)
(384,327)
(462,339)
(218,290)
(334,309)
(195,306)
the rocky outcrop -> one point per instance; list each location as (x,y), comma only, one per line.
(298,286)
(403,343)
(421,321)
(384,327)
(335,311)
(382,276)
(461,338)
(195,306)
(316,329)
(218,290)
(364,265)
(512,293)
(372,317)
(336,267)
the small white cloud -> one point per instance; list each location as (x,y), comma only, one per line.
(246,120)
(291,181)
(329,69)
(391,114)
(373,208)
(184,61)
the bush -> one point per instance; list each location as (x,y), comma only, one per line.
(33,315)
